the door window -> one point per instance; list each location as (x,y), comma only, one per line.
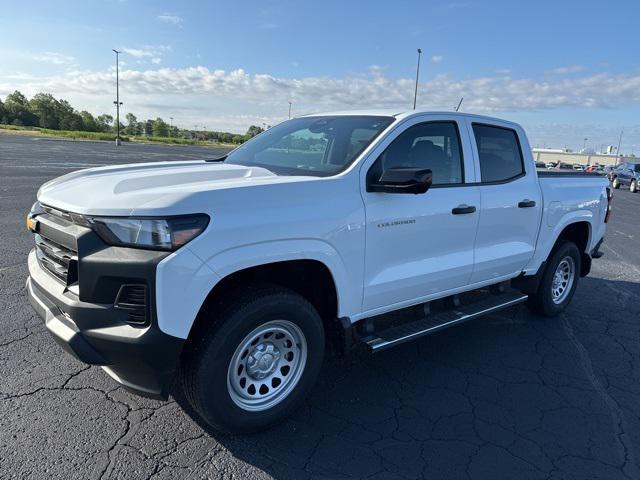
(499,153)
(432,145)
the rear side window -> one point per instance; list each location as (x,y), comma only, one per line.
(499,153)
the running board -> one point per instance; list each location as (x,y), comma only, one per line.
(410,331)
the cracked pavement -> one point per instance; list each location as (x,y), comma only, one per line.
(510,395)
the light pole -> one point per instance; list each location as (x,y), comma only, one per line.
(117,102)
(415,93)
(584,144)
(170,125)
(618,156)
(289,110)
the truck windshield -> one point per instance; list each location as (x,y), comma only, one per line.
(319,146)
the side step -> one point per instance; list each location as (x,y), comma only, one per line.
(410,331)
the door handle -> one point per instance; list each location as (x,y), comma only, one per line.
(463,209)
(527,203)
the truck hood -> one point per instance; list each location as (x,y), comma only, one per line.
(144,187)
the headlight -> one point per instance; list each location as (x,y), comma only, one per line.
(152,233)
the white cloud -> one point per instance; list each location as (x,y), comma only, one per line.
(172,19)
(54,58)
(239,94)
(565,70)
(138,52)
(437,59)
(148,52)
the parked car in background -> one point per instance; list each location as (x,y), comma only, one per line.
(541,165)
(627,174)
(561,166)
(595,168)
(550,165)
(578,168)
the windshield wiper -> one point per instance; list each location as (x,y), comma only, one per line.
(219,159)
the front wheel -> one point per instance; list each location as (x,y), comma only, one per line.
(633,187)
(615,183)
(256,362)
(559,281)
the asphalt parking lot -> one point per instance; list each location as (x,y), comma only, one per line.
(508,396)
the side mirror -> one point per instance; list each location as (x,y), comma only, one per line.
(402,180)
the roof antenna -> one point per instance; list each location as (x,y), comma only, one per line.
(459,103)
(415,93)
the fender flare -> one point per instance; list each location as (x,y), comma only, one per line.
(246,256)
(551,230)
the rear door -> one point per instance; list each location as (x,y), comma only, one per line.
(510,198)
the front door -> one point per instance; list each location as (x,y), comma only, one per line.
(421,245)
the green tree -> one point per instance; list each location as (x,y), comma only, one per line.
(17,110)
(160,128)
(3,116)
(89,123)
(104,122)
(47,109)
(253,131)
(133,127)
(225,137)
(68,118)
(148,128)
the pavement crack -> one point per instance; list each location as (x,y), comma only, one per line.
(615,411)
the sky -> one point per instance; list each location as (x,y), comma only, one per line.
(567,70)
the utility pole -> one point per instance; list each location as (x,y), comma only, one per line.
(618,149)
(117,102)
(170,125)
(289,110)
(415,93)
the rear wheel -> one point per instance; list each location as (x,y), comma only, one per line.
(256,361)
(559,281)
(634,186)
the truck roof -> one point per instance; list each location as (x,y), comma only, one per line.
(400,114)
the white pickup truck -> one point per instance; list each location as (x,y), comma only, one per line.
(232,276)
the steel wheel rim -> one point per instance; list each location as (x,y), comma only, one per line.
(267,365)
(563,279)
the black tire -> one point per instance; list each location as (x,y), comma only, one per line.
(634,186)
(542,301)
(205,366)
(615,183)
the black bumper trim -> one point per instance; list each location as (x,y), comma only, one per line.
(142,359)
(596,253)
(62,329)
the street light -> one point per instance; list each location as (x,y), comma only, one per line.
(117,102)
(584,144)
(170,125)
(415,93)
(289,110)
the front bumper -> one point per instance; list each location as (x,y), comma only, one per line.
(142,358)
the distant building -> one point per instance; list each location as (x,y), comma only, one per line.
(548,155)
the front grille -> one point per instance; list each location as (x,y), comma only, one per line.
(60,261)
